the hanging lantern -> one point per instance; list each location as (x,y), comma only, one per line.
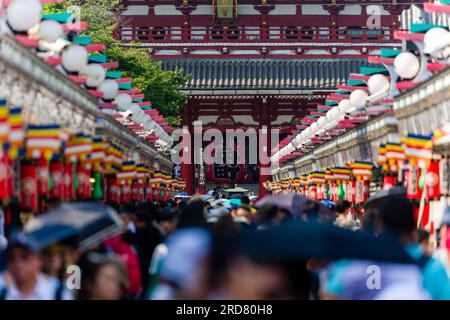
(95,75)
(135,191)
(28,183)
(444,176)
(388,182)
(378,83)
(4,181)
(123,101)
(50,30)
(83,175)
(413,190)
(358,98)
(68,182)
(42,177)
(407,65)
(22,15)
(352,191)
(97,192)
(74,58)
(341,193)
(110,89)
(432,181)
(11,178)
(56,176)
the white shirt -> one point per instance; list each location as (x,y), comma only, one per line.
(45,289)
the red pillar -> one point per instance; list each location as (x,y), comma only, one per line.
(264,168)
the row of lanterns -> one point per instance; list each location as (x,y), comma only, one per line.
(352,102)
(24,17)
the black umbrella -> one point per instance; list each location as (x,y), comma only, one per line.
(293,203)
(82,225)
(375,200)
(304,240)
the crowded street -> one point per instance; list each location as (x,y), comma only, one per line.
(224,150)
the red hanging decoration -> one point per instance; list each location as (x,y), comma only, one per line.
(56,174)
(388,182)
(135,191)
(352,191)
(413,190)
(28,190)
(4,178)
(113,192)
(11,178)
(432,181)
(69,192)
(42,177)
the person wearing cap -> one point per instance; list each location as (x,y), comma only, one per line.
(23,279)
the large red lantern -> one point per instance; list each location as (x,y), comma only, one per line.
(56,174)
(413,190)
(113,192)
(11,178)
(83,176)
(444,176)
(69,192)
(135,191)
(432,181)
(28,186)
(4,178)
(388,182)
(42,177)
(352,191)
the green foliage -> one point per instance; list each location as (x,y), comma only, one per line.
(160,87)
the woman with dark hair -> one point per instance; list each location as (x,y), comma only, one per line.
(103,277)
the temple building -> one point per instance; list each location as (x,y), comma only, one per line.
(259,63)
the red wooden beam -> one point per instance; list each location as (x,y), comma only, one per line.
(404,85)
(123,80)
(132,92)
(437,66)
(110,65)
(54,61)
(95,47)
(77,26)
(145,104)
(107,105)
(138,96)
(357,76)
(77,79)
(26,41)
(351,88)
(315,113)
(404,35)
(324,107)
(380,60)
(96,93)
(434,7)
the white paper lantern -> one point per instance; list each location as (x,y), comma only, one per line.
(378,83)
(345,106)
(358,98)
(290,148)
(322,122)
(149,125)
(138,116)
(407,65)
(74,58)
(95,74)
(314,128)
(330,114)
(335,113)
(436,39)
(110,89)
(22,15)
(50,30)
(123,101)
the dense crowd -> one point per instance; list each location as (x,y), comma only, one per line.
(202,248)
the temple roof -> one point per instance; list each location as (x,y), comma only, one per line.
(239,74)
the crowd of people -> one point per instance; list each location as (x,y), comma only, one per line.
(196,249)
